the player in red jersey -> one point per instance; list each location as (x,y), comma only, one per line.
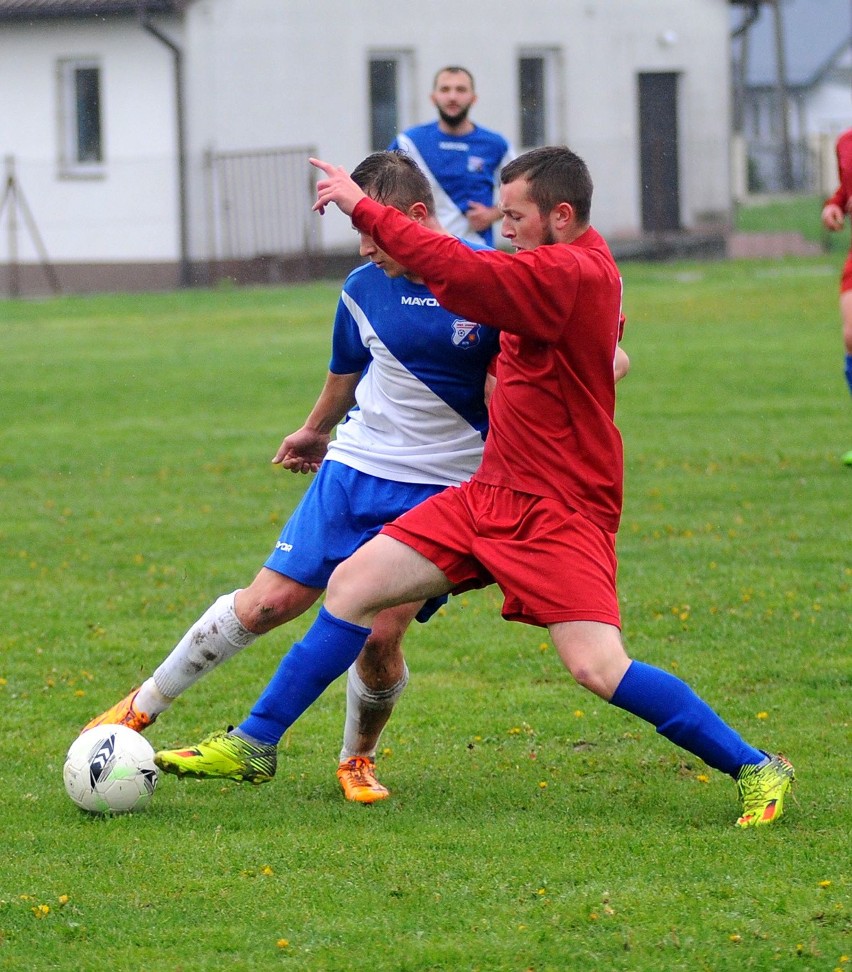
(540,515)
(834,214)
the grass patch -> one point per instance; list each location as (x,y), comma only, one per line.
(532,826)
(791,214)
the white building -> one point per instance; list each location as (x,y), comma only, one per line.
(792,100)
(152,142)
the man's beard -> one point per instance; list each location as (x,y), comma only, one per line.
(454,121)
(547,237)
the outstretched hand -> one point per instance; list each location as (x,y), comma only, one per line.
(336,188)
(302,451)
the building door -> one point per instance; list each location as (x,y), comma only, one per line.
(658,144)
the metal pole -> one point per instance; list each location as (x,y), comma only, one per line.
(783,99)
(180,109)
(12,227)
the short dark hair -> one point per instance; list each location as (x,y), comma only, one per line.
(555,174)
(394,178)
(453,69)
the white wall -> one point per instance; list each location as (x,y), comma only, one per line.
(278,73)
(271,73)
(128,213)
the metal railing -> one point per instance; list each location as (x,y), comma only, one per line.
(259,203)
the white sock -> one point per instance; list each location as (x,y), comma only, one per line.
(215,637)
(367,713)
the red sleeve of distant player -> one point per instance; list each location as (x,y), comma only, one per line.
(529,293)
(844,169)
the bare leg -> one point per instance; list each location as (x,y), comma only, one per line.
(375,682)
(230,624)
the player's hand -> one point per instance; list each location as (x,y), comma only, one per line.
(302,451)
(336,188)
(832,217)
(480,217)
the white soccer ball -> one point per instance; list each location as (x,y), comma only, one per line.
(110,769)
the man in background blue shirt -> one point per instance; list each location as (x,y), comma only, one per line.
(461,160)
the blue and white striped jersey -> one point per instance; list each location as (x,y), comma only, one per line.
(460,168)
(420,415)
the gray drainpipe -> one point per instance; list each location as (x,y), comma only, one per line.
(177,54)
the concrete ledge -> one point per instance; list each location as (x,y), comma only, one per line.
(763,245)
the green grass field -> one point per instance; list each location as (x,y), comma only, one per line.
(532,827)
(799,214)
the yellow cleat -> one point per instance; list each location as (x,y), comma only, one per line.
(123,713)
(358,778)
(762,790)
(221,756)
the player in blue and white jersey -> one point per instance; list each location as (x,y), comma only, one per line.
(462,160)
(406,382)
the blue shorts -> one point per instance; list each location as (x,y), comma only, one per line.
(341,510)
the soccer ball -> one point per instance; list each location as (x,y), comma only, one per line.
(110,769)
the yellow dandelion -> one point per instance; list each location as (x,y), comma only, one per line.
(515,731)
(703,778)
(522,927)
(3,681)
(541,891)
(825,884)
(578,713)
(594,916)
(63,900)
(41,911)
(736,939)
(762,715)
(282,942)
(543,646)
(387,751)
(79,693)
(542,785)
(266,870)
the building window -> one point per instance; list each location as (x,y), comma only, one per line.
(390,96)
(538,98)
(81,115)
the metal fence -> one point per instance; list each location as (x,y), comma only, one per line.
(259,203)
(772,169)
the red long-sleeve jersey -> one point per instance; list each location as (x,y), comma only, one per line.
(844,169)
(552,430)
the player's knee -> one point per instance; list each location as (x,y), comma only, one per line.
(264,606)
(587,677)
(346,595)
(599,674)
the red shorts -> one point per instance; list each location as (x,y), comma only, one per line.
(551,563)
(846,275)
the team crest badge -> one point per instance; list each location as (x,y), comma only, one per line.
(465,334)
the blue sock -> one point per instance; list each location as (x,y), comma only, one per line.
(327,649)
(682,717)
(849,371)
